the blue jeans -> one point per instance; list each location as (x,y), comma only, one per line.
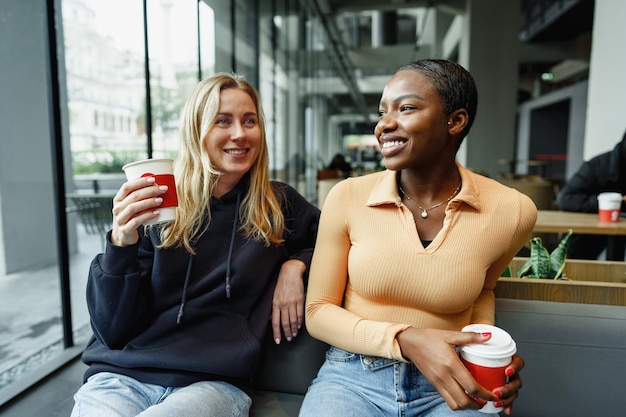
(111,395)
(353,385)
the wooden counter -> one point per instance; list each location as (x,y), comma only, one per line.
(589,282)
(555,221)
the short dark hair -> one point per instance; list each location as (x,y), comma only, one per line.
(455,86)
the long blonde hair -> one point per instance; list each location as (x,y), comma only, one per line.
(260,212)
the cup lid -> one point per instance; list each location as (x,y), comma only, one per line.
(610,196)
(501,344)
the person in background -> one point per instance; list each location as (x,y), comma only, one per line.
(339,163)
(406,257)
(605,172)
(178,310)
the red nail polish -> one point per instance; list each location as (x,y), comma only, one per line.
(509,372)
(497,393)
(486,334)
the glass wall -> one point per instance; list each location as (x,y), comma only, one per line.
(174,63)
(90,110)
(90,85)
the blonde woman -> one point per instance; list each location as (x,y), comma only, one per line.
(178,310)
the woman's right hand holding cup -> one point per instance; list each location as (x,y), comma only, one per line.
(433,352)
(136,203)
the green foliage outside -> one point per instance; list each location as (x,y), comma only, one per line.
(108,161)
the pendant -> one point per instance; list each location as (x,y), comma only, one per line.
(424,214)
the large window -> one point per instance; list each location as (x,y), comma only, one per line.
(173,51)
(103,114)
(106,96)
(100,84)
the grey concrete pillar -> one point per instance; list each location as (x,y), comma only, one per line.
(27,220)
(489,49)
(384,28)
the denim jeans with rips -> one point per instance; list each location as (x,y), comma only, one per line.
(112,395)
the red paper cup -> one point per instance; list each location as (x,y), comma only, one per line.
(487,361)
(163,172)
(609,206)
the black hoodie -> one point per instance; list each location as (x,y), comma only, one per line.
(165,317)
(605,172)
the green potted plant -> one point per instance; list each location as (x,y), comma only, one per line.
(541,263)
(580,281)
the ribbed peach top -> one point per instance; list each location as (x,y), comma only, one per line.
(371,277)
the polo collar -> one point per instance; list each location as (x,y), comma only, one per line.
(385,189)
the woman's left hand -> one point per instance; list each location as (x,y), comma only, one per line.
(509,392)
(288,301)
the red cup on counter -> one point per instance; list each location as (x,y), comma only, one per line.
(609,206)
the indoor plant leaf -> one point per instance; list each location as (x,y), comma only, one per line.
(558,256)
(540,258)
(538,264)
(526,269)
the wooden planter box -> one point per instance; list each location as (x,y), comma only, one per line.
(590,282)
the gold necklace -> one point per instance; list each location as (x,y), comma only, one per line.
(425,210)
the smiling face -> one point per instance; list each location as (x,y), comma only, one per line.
(234,141)
(412,129)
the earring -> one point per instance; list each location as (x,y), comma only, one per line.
(449,123)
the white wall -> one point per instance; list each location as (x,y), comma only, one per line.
(606,103)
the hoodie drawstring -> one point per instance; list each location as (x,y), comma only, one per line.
(230,247)
(181,309)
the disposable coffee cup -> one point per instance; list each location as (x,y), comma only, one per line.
(487,361)
(609,205)
(163,172)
